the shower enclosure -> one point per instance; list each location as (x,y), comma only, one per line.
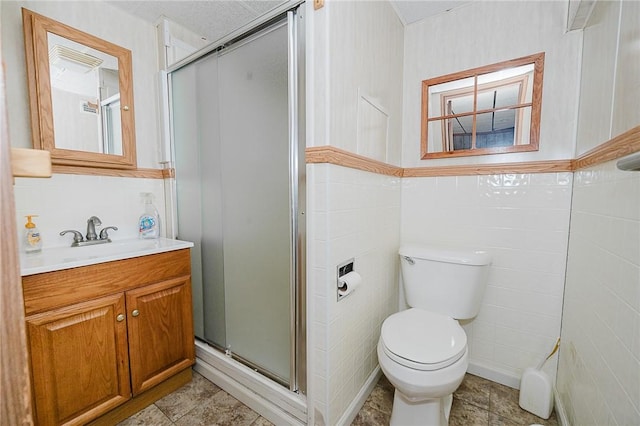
(238,147)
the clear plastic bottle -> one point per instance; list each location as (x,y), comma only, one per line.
(32,239)
(149,221)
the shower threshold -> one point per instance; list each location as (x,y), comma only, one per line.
(267,397)
(249,364)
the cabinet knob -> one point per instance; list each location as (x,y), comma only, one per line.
(135,313)
(120,318)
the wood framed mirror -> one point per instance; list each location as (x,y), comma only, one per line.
(493,109)
(80,95)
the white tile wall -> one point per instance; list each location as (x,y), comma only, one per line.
(67,201)
(599,374)
(523,220)
(354,214)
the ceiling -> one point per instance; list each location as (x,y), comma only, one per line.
(411,11)
(215,19)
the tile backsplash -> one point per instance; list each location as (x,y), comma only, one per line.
(67,201)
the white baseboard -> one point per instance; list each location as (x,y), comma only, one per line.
(493,374)
(561,412)
(352,410)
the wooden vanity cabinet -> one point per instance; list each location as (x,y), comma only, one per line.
(103,334)
(160,332)
(79,360)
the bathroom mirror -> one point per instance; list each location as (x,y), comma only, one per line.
(488,110)
(80,95)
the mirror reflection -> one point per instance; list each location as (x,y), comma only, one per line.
(493,109)
(80,96)
(85,97)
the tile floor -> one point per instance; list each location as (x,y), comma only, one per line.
(200,402)
(476,402)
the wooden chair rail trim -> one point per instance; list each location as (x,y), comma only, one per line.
(624,144)
(552,166)
(620,146)
(340,157)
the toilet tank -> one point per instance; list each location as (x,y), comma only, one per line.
(444,280)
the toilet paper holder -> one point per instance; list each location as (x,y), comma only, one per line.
(343,269)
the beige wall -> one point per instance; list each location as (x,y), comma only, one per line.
(66,201)
(364,59)
(104,21)
(610,87)
(483,33)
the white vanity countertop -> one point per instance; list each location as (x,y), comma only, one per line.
(58,258)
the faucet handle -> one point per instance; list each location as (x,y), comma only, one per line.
(103,233)
(77,236)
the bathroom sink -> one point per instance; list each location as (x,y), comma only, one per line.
(57,258)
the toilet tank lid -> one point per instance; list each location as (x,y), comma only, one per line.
(446,254)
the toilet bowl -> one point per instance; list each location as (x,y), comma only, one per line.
(425,357)
(423,350)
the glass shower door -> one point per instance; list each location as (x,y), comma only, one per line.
(255,205)
(231,142)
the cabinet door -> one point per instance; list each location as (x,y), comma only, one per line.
(160,323)
(79,360)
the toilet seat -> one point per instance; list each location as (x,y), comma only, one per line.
(423,340)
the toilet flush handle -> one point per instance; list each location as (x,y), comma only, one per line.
(410,260)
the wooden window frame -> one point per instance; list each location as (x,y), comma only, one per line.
(536,106)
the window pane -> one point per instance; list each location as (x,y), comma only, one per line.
(495,129)
(501,128)
(441,94)
(505,74)
(462,129)
(459,104)
(497,120)
(523,126)
(501,96)
(436,141)
(513,86)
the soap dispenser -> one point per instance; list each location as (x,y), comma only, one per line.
(149,221)
(32,239)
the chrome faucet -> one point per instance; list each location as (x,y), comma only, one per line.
(92,237)
(91,228)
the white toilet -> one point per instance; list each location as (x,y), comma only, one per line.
(423,350)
